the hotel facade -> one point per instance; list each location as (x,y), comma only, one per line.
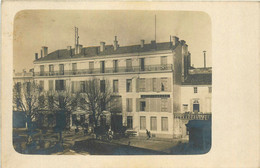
(153,83)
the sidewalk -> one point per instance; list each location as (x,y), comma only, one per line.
(157,144)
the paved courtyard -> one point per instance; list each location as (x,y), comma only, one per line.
(80,144)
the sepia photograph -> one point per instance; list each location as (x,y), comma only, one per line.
(129,84)
(112,82)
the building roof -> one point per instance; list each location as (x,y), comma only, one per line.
(198,79)
(109,50)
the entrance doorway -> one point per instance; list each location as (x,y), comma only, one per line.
(116,123)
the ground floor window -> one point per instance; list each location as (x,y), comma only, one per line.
(164,123)
(142,123)
(129,122)
(153,123)
(59,85)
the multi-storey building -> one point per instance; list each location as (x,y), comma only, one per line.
(148,80)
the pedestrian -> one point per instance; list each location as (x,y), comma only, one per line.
(148,134)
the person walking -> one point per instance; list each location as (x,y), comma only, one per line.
(148,133)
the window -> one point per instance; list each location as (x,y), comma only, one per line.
(196,106)
(185,107)
(129,122)
(103,86)
(102,66)
(163,60)
(51,70)
(142,105)
(91,66)
(60,85)
(74,68)
(50,85)
(142,123)
(164,105)
(115,85)
(61,69)
(128,65)
(41,85)
(164,123)
(82,86)
(153,123)
(142,85)
(129,85)
(142,64)
(154,85)
(195,90)
(116,104)
(115,66)
(164,84)
(210,89)
(41,70)
(129,104)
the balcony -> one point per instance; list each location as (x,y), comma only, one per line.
(148,68)
(23,74)
(192,116)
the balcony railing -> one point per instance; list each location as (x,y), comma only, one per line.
(192,116)
(107,70)
(23,74)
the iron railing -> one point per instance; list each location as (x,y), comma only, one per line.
(107,70)
(193,116)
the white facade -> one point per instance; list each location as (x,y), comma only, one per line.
(196,98)
(148,83)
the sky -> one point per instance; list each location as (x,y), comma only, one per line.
(55,29)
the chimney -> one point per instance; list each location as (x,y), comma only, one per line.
(80,48)
(183,42)
(142,43)
(102,46)
(36,56)
(175,40)
(204,59)
(44,51)
(116,43)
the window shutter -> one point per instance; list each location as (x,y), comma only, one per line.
(158,105)
(64,86)
(77,87)
(73,87)
(137,85)
(137,104)
(153,105)
(147,104)
(169,84)
(130,104)
(169,104)
(159,87)
(148,84)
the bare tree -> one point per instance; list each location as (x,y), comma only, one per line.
(96,99)
(26,98)
(62,101)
